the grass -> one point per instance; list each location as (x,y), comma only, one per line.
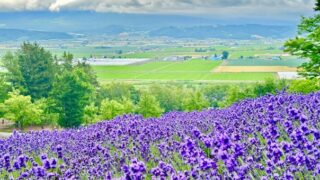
(186,70)
(264,62)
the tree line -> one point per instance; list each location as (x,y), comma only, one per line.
(41,89)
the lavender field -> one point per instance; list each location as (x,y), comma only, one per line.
(269,137)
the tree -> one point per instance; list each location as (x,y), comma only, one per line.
(306,45)
(225,55)
(117,91)
(110,109)
(195,101)
(169,97)
(21,110)
(235,94)
(48,117)
(215,94)
(4,88)
(128,106)
(304,86)
(71,93)
(90,113)
(90,73)
(66,60)
(148,106)
(31,69)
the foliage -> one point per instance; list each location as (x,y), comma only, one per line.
(88,70)
(21,110)
(235,94)
(72,92)
(148,106)
(90,114)
(66,60)
(304,86)
(128,106)
(110,109)
(31,70)
(195,101)
(225,55)
(307,45)
(169,97)
(215,94)
(4,88)
(48,117)
(117,91)
(269,86)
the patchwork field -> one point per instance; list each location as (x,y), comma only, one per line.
(235,69)
(182,70)
(291,62)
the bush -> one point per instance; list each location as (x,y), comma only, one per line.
(304,86)
(148,106)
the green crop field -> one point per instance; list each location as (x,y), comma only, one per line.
(185,70)
(267,62)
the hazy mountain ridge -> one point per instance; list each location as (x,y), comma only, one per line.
(250,31)
(19,34)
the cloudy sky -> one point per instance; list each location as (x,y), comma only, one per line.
(282,9)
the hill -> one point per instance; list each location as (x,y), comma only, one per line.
(18,34)
(251,31)
(264,138)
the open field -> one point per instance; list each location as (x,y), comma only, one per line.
(185,70)
(291,62)
(235,69)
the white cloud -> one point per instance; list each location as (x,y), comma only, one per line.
(212,7)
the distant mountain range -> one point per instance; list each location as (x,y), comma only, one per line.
(49,25)
(251,31)
(29,35)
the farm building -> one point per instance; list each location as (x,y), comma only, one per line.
(176,58)
(216,57)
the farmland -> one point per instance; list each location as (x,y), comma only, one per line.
(185,70)
(290,62)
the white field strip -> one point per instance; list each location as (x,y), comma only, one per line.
(115,62)
(288,75)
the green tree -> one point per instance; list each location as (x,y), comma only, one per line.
(90,113)
(66,60)
(90,73)
(169,97)
(71,93)
(225,55)
(110,109)
(13,74)
(195,101)
(117,91)
(48,117)
(148,106)
(128,106)
(304,86)
(4,88)
(306,45)
(31,70)
(21,110)
(235,94)
(215,94)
